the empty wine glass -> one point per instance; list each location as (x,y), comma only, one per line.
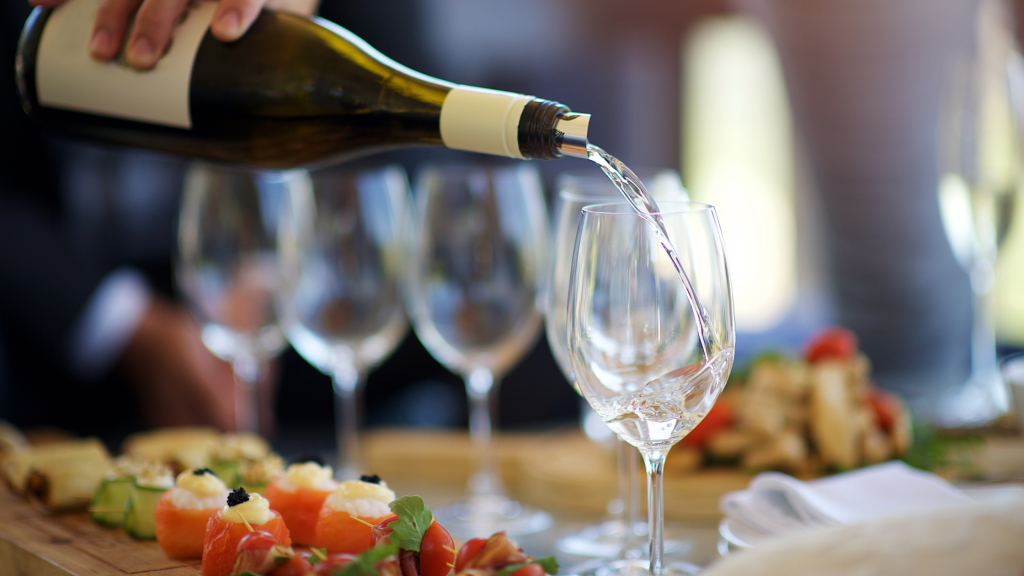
(979,177)
(634,345)
(341,242)
(227,269)
(476,276)
(574,191)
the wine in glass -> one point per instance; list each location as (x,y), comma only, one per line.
(341,242)
(227,269)
(635,347)
(476,278)
(575,190)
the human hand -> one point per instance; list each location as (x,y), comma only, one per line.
(155,20)
(177,380)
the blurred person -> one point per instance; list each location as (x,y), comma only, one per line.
(864,78)
(82,332)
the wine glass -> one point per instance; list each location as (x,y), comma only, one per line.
(341,242)
(476,276)
(634,346)
(227,269)
(979,177)
(574,191)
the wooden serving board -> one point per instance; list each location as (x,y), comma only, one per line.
(32,542)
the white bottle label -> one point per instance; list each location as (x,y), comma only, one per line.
(481,120)
(67,77)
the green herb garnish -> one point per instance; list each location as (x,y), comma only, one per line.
(318,555)
(366,563)
(548,563)
(413,520)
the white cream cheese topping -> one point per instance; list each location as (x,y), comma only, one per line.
(308,475)
(155,476)
(255,511)
(202,485)
(361,499)
(184,499)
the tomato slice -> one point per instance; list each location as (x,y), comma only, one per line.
(382,532)
(437,551)
(468,551)
(333,562)
(529,570)
(297,565)
(834,343)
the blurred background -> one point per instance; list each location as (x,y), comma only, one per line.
(812,129)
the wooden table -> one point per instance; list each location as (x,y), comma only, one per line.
(32,542)
(560,472)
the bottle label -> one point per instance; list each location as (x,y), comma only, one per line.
(67,77)
(480,120)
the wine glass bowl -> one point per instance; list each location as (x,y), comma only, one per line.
(634,343)
(475,280)
(227,269)
(575,190)
(341,242)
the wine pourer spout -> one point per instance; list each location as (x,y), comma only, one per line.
(572,129)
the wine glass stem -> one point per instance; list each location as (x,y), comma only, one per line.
(654,460)
(983,341)
(247,376)
(347,384)
(629,491)
(480,387)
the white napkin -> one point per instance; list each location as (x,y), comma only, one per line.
(778,504)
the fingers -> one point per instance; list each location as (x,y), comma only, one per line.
(234,17)
(154,23)
(45,3)
(301,7)
(109,27)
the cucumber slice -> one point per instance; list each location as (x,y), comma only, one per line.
(229,472)
(108,503)
(139,511)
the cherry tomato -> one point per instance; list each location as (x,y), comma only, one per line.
(887,408)
(836,343)
(297,565)
(436,551)
(470,549)
(333,562)
(258,540)
(720,416)
(529,570)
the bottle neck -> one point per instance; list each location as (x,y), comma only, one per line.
(549,130)
(508,124)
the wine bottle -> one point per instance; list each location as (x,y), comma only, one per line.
(293,91)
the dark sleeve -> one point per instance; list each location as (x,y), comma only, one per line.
(43,282)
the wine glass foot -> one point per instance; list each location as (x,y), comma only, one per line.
(481,516)
(631,567)
(605,540)
(980,400)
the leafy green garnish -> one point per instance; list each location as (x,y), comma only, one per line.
(548,563)
(413,520)
(366,563)
(318,555)
(930,449)
(249,573)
